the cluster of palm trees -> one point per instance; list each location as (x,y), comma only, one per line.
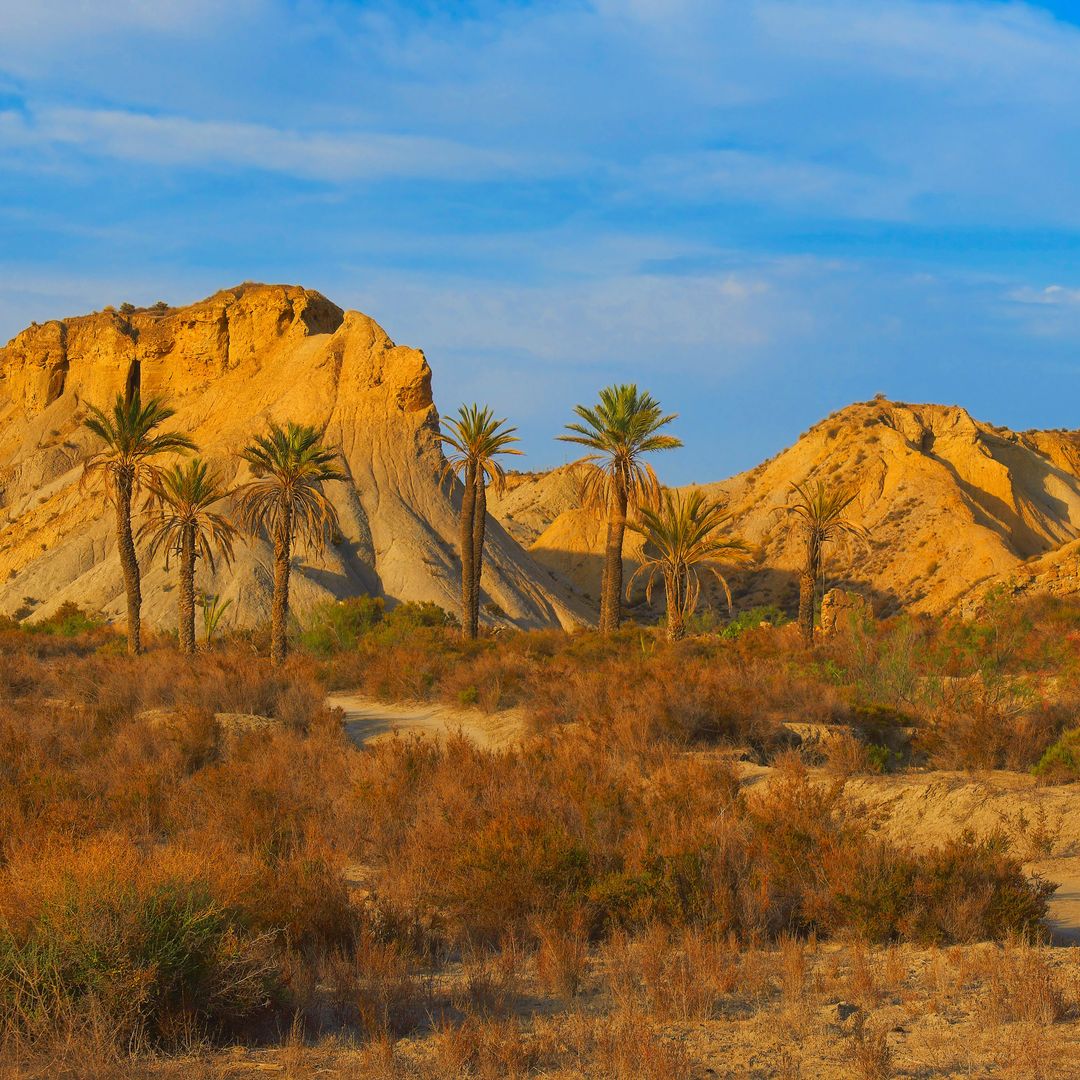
(685,535)
(283,499)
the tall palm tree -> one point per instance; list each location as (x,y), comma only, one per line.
(821,518)
(285,500)
(125,463)
(181,520)
(623,427)
(683,537)
(476,437)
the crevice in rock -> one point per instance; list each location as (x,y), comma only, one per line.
(133,385)
(58,374)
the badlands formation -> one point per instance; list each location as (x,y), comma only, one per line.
(227,365)
(953,505)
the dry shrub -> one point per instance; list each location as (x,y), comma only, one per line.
(489,1048)
(846,755)
(628,1047)
(794,988)
(1022,987)
(484,843)
(562,957)
(670,977)
(144,940)
(490,983)
(987,723)
(873,1059)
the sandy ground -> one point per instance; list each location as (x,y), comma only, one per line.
(921,809)
(367,719)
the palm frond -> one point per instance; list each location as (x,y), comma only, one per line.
(684,537)
(476,437)
(180,500)
(623,427)
(289,467)
(131,442)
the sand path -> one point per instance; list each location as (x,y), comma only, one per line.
(367,720)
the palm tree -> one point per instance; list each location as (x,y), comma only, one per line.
(619,431)
(821,519)
(476,438)
(181,520)
(683,538)
(126,463)
(285,500)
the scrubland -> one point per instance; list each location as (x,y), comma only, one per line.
(188,891)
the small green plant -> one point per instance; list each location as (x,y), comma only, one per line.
(213,610)
(880,758)
(765,614)
(1060,764)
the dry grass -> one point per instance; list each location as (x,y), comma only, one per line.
(595,903)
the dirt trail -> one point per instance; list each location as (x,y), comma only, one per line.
(920,809)
(367,719)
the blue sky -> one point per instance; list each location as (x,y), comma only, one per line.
(760,209)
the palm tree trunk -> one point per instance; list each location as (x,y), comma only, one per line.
(479,527)
(468,580)
(279,611)
(129,561)
(676,601)
(187,591)
(807,591)
(611,585)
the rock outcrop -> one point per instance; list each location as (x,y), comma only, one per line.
(841,608)
(227,365)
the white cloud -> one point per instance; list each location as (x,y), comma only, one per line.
(1052,295)
(221,145)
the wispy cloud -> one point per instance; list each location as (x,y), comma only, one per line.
(222,146)
(1052,295)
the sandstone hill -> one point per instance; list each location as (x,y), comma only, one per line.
(950,502)
(228,364)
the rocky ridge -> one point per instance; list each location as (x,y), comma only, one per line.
(950,502)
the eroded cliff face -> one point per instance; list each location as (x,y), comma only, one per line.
(227,365)
(949,501)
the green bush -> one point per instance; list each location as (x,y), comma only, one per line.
(414,615)
(155,960)
(1060,764)
(69,620)
(749,620)
(336,626)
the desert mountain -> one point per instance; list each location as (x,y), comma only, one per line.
(949,501)
(227,365)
